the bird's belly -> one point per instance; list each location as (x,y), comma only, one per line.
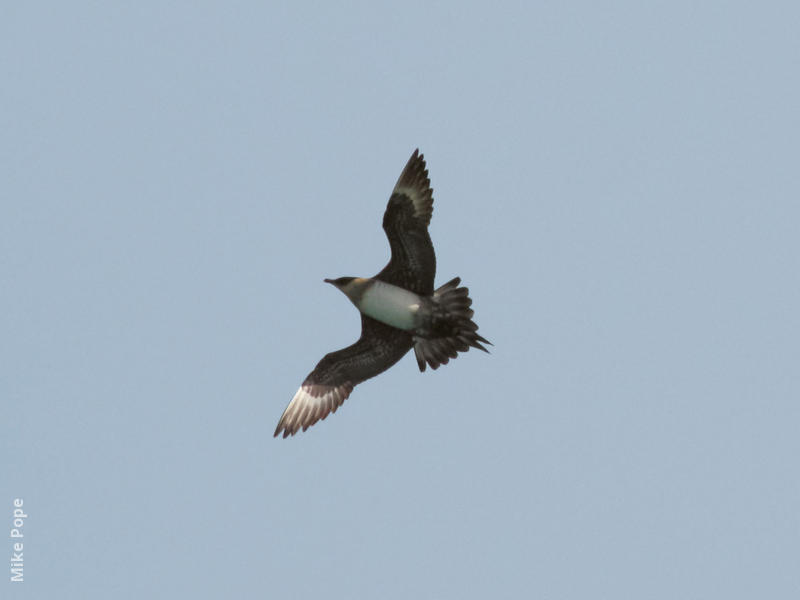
(391,305)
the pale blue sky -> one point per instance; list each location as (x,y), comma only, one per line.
(618,185)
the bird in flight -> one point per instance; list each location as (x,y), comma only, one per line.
(399,308)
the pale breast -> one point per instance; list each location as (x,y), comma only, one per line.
(390,304)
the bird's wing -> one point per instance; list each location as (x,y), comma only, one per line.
(408,213)
(330,383)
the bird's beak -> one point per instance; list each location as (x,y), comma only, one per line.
(329,281)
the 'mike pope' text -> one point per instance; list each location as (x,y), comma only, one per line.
(16,535)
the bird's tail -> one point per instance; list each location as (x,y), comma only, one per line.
(450,330)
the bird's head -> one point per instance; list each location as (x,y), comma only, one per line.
(352,287)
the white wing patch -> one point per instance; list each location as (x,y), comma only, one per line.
(312,403)
(419,198)
(415,184)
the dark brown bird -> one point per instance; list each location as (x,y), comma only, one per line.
(399,309)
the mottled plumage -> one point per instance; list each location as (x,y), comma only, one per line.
(443,317)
